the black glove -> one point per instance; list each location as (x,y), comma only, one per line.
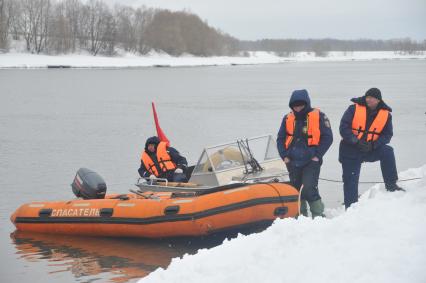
(365,146)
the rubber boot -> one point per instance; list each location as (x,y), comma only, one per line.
(304,208)
(317,208)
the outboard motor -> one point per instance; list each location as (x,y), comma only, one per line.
(88,184)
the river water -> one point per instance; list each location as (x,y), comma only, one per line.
(53,122)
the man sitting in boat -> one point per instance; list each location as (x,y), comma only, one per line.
(161,161)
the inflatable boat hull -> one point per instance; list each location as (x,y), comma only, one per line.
(161,214)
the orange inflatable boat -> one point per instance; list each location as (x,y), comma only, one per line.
(157,215)
(228,189)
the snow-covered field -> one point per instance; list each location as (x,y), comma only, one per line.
(128,60)
(381,239)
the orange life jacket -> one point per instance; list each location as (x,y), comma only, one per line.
(360,119)
(163,158)
(313,128)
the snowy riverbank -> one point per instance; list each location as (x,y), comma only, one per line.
(380,239)
(127,60)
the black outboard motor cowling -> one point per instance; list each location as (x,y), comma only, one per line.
(88,184)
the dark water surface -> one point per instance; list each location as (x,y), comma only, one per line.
(54,121)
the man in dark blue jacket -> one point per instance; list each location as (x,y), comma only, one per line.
(173,159)
(304,137)
(366,129)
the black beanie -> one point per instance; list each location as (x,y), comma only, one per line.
(152,140)
(374,92)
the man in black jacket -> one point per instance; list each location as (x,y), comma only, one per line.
(161,161)
(366,129)
(304,137)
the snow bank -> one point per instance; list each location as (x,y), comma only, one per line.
(380,239)
(128,60)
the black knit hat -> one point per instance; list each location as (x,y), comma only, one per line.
(374,92)
(152,140)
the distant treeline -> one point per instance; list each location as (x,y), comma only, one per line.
(58,27)
(285,47)
(68,26)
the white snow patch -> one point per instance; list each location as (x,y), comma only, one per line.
(16,59)
(382,238)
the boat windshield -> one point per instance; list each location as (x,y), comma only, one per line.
(236,154)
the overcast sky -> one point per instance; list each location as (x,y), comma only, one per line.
(343,19)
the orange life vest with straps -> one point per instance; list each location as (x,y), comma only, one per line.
(360,119)
(164,160)
(313,128)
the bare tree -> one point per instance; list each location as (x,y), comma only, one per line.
(59,30)
(72,12)
(15,14)
(109,34)
(163,33)
(126,27)
(143,17)
(63,26)
(33,23)
(96,20)
(25,22)
(4,25)
(181,32)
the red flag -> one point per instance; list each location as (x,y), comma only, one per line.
(160,132)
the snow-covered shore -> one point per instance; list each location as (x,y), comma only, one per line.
(127,60)
(381,239)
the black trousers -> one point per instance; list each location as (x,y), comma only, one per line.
(307,176)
